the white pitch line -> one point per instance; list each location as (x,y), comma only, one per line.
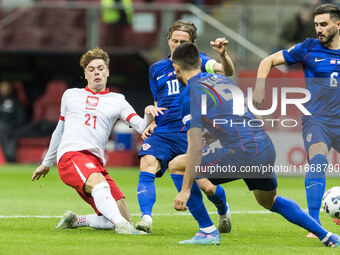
(132,214)
(27,216)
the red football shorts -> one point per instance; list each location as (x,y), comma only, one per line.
(76,166)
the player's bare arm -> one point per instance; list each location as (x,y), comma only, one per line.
(151,127)
(262,73)
(149,130)
(226,67)
(40,171)
(154,110)
(194,157)
(150,111)
(50,156)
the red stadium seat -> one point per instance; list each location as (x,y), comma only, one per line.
(47,107)
(32,150)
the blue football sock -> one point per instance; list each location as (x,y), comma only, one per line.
(195,202)
(291,211)
(315,182)
(219,200)
(146,192)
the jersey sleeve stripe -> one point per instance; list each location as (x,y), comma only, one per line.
(130,117)
(62,118)
(186,118)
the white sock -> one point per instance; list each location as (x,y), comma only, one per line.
(82,221)
(105,203)
(325,239)
(147,218)
(209,229)
(98,222)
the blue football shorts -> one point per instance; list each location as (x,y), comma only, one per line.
(165,147)
(255,171)
(314,131)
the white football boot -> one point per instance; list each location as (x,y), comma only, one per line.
(224,225)
(125,227)
(69,220)
(145,224)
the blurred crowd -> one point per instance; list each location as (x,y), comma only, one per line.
(301,26)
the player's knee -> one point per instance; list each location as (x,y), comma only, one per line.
(149,164)
(266,202)
(93,180)
(265,198)
(174,167)
(317,148)
(177,165)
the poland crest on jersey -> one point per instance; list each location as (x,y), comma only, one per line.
(93,101)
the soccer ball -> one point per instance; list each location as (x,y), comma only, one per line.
(331,202)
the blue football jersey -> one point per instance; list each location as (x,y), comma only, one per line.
(322,75)
(233,131)
(166,92)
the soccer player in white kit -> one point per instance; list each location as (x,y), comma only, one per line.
(86,119)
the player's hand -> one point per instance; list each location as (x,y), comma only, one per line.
(180,203)
(219,45)
(40,171)
(154,110)
(207,138)
(149,130)
(258,97)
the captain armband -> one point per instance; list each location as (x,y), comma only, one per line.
(209,66)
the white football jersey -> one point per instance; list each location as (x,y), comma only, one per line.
(88,120)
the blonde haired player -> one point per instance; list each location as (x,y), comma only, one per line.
(86,119)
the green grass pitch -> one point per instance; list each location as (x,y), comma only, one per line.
(252,232)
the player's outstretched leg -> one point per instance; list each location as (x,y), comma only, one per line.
(107,205)
(291,211)
(146,193)
(146,190)
(315,183)
(207,233)
(71,220)
(216,195)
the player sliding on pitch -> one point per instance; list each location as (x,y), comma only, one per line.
(86,119)
(242,146)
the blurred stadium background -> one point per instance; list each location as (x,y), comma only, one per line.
(41,42)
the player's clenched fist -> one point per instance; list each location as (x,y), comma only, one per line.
(219,45)
(180,203)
